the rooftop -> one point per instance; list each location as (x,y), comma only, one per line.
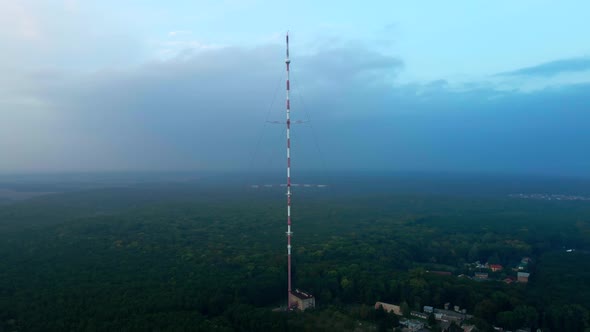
(301,295)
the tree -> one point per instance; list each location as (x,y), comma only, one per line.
(494,259)
(405,308)
(486,309)
(526,316)
(454,328)
(431,319)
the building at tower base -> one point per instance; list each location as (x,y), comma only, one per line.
(299,300)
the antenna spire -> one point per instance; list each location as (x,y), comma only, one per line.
(289,233)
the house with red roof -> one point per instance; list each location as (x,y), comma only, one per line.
(496,267)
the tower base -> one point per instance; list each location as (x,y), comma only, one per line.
(299,300)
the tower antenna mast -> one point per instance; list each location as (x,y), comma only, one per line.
(296,299)
(289,232)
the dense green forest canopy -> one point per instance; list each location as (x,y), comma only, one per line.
(186,257)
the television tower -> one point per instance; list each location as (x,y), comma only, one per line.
(296,299)
(289,232)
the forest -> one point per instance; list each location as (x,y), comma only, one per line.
(186,257)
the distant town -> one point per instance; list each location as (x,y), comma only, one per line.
(497,272)
(487,271)
(420,321)
(551,197)
(452,317)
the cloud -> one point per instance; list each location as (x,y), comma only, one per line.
(179,33)
(16,18)
(82,89)
(552,68)
(351,61)
(207,110)
(182,48)
(194,110)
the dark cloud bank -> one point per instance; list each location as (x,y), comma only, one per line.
(207,110)
(552,68)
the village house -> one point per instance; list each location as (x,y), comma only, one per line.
(419,314)
(496,267)
(389,308)
(522,277)
(468,328)
(509,280)
(481,275)
(412,325)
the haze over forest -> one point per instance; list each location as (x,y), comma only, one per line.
(452,87)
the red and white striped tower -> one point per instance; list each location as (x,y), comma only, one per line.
(289,233)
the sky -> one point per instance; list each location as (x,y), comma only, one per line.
(447,86)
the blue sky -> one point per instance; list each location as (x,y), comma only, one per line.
(486,86)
